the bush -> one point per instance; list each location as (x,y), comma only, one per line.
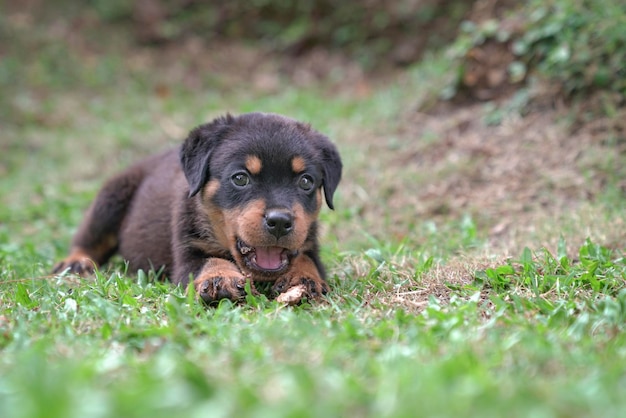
(372,31)
(578,44)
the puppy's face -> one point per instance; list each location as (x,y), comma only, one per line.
(260,180)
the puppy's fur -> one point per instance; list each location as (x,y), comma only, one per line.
(237,202)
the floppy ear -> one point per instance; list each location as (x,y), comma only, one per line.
(331,169)
(197,148)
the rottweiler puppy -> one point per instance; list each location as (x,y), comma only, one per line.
(237,202)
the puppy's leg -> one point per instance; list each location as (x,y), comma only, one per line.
(97,238)
(304,274)
(220,279)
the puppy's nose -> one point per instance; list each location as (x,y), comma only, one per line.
(278,222)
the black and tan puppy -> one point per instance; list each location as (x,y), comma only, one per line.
(237,202)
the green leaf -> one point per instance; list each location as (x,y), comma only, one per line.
(23,297)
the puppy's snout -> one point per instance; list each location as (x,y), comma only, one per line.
(279,222)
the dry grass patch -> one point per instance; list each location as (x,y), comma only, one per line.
(514,175)
(410,282)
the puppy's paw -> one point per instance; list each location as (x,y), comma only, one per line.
(78,262)
(212,289)
(302,281)
(221,279)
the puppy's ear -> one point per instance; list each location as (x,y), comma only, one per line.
(197,148)
(331,169)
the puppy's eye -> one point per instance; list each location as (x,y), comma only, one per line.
(240,179)
(306,182)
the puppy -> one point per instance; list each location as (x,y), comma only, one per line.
(238,202)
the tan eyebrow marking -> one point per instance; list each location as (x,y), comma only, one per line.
(253,164)
(298,165)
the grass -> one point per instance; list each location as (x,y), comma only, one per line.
(536,336)
(430,319)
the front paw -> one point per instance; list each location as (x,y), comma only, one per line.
(213,289)
(221,279)
(77,262)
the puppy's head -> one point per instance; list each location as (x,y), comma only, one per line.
(259,179)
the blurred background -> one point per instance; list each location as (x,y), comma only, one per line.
(501,119)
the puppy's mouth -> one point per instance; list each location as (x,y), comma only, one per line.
(266,260)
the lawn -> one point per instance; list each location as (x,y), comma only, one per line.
(472,274)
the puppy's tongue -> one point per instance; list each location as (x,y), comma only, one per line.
(269,258)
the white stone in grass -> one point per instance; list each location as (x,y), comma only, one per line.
(293,295)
